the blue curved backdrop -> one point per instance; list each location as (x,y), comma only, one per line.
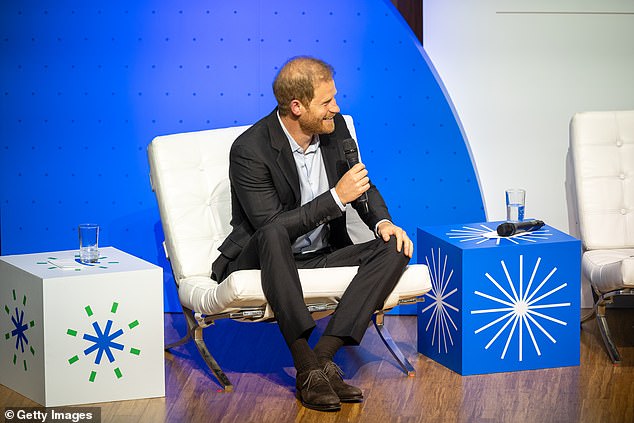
(85,86)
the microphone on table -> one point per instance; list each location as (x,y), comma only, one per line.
(512,228)
(352,157)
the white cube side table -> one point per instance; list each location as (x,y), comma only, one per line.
(76,334)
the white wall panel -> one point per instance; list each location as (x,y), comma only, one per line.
(517,71)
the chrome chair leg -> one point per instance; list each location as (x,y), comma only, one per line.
(195,332)
(211,362)
(377,319)
(613,352)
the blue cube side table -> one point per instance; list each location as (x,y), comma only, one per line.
(499,304)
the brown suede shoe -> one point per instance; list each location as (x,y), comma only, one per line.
(345,392)
(314,391)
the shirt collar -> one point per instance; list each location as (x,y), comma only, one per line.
(295,148)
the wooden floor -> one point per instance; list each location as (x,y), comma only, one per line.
(256,360)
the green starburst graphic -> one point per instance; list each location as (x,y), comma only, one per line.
(20,330)
(103,342)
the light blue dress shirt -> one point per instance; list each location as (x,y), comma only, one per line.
(313,182)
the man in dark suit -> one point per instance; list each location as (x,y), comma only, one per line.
(290,183)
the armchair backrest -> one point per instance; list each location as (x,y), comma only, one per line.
(189,173)
(602,153)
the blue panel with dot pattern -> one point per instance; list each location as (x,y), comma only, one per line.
(85,86)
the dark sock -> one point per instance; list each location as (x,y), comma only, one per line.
(326,347)
(303,356)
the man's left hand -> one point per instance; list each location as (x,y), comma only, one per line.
(403,243)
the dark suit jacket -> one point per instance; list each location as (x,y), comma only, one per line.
(265,189)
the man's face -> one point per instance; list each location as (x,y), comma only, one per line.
(318,118)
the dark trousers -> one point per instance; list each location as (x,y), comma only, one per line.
(380,267)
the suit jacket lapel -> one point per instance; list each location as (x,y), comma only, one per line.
(329,151)
(332,152)
(284,159)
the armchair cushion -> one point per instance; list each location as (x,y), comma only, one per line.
(244,289)
(609,270)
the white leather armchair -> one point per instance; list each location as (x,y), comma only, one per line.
(602,193)
(189,175)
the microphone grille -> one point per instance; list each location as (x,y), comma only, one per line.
(349,146)
(506,229)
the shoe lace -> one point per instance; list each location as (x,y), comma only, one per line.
(331,367)
(315,377)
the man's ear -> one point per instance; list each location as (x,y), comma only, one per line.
(296,108)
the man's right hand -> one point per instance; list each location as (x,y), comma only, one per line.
(353,183)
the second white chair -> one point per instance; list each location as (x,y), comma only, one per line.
(602,193)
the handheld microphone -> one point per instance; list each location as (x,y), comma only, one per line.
(512,228)
(352,157)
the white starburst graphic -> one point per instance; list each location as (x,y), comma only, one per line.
(521,305)
(483,233)
(440,316)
